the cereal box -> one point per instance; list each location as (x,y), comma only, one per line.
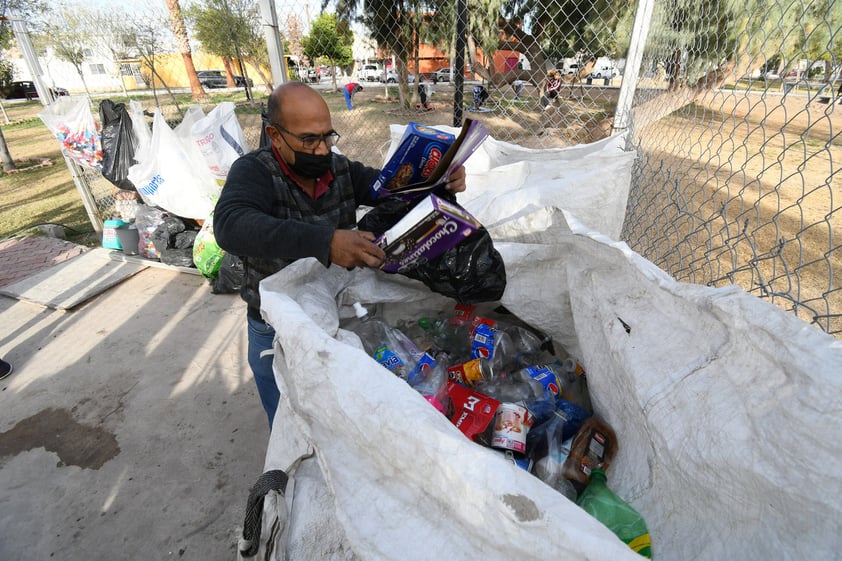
(418,154)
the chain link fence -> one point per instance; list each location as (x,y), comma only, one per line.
(733,109)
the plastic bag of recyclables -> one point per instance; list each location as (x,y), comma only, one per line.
(726,408)
(182,170)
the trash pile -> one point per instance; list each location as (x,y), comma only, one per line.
(167,179)
(506,386)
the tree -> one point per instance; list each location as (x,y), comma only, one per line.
(5,156)
(231,29)
(329,39)
(180,32)
(150,39)
(391,26)
(117,37)
(26,10)
(68,31)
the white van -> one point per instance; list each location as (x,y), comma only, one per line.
(369,73)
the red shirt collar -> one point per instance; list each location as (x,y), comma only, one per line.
(322,183)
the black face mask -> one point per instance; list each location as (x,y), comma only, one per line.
(311,166)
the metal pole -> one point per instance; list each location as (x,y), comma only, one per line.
(631,73)
(458,71)
(25,45)
(46,98)
(275,46)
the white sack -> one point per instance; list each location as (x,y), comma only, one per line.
(726,410)
(174,176)
(590,180)
(725,407)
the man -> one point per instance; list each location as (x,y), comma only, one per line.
(349,90)
(480,95)
(291,200)
(551,89)
(423,94)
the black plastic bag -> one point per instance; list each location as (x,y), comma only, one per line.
(118,143)
(174,242)
(470,272)
(229,278)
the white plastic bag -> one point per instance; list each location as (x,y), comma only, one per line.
(173,177)
(725,408)
(71,122)
(220,139)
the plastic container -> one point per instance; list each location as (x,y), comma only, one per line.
(594,446)
(618,516)
(128,238)
(109,233)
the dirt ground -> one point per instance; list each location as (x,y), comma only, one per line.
(743,188)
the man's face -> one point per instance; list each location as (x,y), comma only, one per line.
(304,114)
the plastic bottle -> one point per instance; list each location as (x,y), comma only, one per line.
(594,446)
(574,384)
(387,345)
(618,516)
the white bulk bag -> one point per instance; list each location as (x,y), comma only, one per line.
(726,410)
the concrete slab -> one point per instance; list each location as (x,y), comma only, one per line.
(74,281)
(131,428)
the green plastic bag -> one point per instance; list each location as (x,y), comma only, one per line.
(207,255)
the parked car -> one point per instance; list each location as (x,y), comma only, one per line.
(25,89)
(569,70)
(369,73)
(212,78)
(443,74)
(391,77)
(604,72)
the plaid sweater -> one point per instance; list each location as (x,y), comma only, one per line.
(263,217)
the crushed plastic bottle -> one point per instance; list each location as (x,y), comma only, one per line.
(616,514)
(389,346)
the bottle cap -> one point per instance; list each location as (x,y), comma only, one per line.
(360,310)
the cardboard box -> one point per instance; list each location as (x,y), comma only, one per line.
(418,154)
(432,227)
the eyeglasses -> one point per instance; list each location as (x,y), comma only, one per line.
(311,141)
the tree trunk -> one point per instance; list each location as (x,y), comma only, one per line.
(180,32)
(229,72)
(5,156)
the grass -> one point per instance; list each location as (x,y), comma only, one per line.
(47,195)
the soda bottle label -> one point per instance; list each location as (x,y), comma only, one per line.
(388,359)
(482,343)
(547,377)
(594,453)
(466,373)
(471,412)
(462,313)
(421,370)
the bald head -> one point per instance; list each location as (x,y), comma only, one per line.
(292,98)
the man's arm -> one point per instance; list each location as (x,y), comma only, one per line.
(244,226)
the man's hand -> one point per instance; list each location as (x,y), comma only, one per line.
(456,181)
(354,248)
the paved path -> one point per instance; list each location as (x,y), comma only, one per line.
(21,258)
